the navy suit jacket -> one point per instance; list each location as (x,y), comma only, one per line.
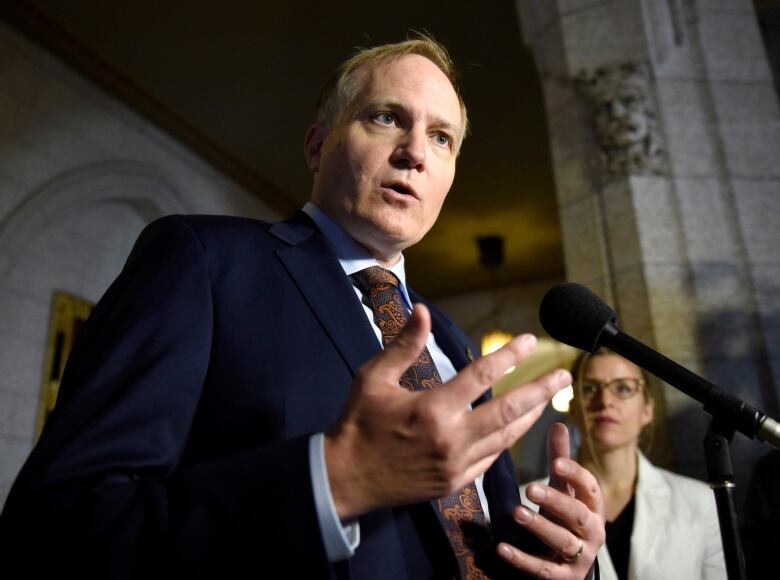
(179,444)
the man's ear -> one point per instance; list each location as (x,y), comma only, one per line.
(312,145)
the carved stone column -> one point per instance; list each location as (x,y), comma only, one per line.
(665,138)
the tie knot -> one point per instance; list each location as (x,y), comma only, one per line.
(375,276)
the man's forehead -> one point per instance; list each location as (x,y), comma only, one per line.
(413,73)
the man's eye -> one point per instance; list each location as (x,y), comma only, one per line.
(384,118)
(441,139)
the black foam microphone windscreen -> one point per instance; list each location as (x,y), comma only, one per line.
(574,315)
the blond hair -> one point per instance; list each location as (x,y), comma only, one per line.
(341,90)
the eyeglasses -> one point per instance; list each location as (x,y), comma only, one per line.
(623,388)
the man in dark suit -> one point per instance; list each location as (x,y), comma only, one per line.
(229,410)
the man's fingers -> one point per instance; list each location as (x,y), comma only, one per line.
(576,513)
(574,530)
(558,445)
(533,565)
(499,439)
(583,482)
(558,442)
(497,424)
(498,413)
(539,567)
(479,376)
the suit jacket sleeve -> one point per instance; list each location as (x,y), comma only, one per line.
(105,493)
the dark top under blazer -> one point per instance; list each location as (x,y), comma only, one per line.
(179,445)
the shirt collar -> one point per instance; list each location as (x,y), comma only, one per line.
(352,256)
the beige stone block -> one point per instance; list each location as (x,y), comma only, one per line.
(657,220)
(566,7)
(573,177)
(622,236)
(721,286)
(573,152)
(766,283)
(683,100)
(569,128)
(758,208)
(603,33)
(726,6)
(631,303)
(583,239)
(726,315)
(549,50)
(558,94)
(673,310)
(692,148)
(535,15)
(706,223)
(689,131)
(738,102)
(732,47)
(752,149)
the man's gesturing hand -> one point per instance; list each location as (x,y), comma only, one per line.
(395,447)
(570,521)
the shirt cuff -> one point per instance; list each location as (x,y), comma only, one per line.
(340,540)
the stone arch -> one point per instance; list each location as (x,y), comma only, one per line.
(71,234)
(139,186)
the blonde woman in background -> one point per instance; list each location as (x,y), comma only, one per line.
(659,524)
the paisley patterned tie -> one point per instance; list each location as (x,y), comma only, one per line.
(460,512)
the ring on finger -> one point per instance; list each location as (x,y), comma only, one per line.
(574,556)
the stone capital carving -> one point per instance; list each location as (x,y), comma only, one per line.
(624,118)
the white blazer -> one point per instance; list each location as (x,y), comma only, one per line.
(676,532)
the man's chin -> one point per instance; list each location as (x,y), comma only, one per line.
(385,244)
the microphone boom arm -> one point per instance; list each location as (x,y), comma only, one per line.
(744,418)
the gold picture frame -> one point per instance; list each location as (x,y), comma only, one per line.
(68,315)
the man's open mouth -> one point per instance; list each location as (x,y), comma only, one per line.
(400,188)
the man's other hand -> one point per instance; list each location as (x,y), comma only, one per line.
(570,520)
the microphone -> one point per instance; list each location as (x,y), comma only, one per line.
(574,315)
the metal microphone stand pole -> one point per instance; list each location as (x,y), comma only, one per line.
(721,477)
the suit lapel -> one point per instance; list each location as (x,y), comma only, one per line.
(326,289)
(652,510)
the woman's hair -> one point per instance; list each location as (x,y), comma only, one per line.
(341,90)
(578,374)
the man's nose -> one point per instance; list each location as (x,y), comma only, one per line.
(410,151)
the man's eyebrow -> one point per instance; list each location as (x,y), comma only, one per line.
(394,104)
